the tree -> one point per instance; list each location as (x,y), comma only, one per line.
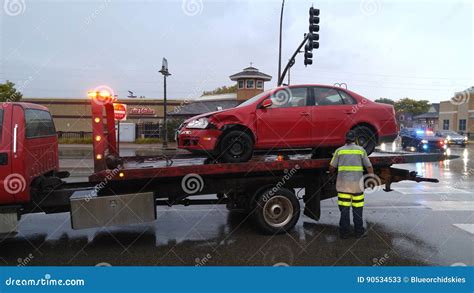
(385,101)
(407,105)
(8,92)
(221,90)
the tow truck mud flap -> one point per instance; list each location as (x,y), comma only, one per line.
(90,211)
(8,219)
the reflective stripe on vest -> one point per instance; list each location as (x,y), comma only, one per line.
(350,168)
(350,152)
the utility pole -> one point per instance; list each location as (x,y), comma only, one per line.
(279,47)
(165,72)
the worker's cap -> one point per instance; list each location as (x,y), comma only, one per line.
(350,136)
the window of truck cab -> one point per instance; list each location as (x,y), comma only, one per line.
(39,123)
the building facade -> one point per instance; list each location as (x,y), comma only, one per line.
(74,115)
(250,82)
(458,113)
(429,119)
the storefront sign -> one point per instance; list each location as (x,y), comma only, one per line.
(141,111)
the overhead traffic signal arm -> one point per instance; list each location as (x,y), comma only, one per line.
(312,42)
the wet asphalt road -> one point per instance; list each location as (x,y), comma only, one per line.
(417,224)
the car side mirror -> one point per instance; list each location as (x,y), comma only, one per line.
(266,103)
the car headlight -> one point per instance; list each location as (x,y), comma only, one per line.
(448,137)
(424,141)
(465,138)
(200,123)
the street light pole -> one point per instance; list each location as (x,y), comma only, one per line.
(165,72)
(279,46)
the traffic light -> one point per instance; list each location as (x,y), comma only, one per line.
(313,36)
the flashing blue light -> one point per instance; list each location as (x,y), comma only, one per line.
(420,132)
(425,146)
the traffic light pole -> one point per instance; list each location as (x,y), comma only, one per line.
(291,62)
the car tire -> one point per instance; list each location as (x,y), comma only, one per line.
(366,138)
(235,147)
(277,211)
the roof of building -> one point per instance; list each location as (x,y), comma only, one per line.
(203,106)
(229,96)
(250,72)
(435,106)
(427,115)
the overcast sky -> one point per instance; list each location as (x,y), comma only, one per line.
(393,49)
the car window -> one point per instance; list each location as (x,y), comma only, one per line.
(39,123)
(290,97)
(348,100)
(327,97)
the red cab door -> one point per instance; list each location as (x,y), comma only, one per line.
(287,122)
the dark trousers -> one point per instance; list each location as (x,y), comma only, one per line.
(345,222)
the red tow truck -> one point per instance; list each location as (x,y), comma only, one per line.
(126,190)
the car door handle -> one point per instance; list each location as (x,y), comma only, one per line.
(349,112)
(304,114)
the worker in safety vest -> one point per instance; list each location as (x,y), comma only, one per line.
(349,161)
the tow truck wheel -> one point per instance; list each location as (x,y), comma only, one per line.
(276,211)
(236,147)
(366,138)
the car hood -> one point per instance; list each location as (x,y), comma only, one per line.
(455,136)
(208,114)
(431,138)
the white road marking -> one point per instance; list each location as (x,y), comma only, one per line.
(430,190)
(466,227)
(446,205)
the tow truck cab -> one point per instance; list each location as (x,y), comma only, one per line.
(28,150)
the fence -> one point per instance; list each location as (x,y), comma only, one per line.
(74,134)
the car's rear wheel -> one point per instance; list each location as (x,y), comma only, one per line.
(235,147)
(366,138)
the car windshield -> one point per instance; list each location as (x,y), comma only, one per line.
(253,99)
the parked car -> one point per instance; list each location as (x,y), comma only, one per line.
(452,137)
(298,116)
(422,140)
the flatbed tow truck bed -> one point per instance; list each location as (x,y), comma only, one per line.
(245,187)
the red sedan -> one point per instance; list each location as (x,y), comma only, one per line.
(294,117)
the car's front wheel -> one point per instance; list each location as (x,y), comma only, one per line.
(366,138)
(235,147)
